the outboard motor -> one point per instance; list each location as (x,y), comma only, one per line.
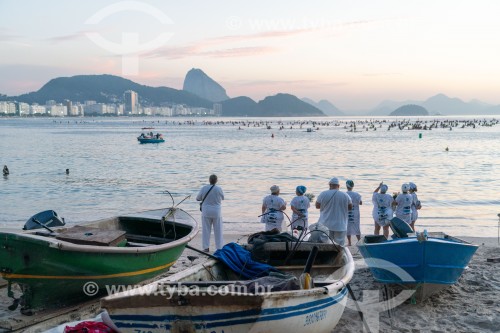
(47,218)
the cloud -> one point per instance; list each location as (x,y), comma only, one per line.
(69,38)
(218,46)
(381,74)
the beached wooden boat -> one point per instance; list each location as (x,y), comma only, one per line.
(166,306)
(74,263)
(426,263)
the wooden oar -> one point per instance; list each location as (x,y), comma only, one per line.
(202,252)
(43,225)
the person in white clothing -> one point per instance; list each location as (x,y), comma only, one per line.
(300,206)
(415,205)
(211,197)
(272,207)
(403,204)
(334,206)
(382,209)
(353,222)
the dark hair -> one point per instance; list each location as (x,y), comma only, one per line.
(212,179)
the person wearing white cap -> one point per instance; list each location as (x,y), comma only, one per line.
(353,222)
(403,204)
(415,205)
(382,209)
(334,206)
(272,207)
(211,197)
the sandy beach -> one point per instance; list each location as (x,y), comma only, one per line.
(472,305)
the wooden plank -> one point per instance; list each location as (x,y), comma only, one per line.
(42,321)
(148,239)
(92,236)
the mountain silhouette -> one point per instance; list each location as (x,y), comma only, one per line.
(108,89)
(410,110)
(200,84)
(326,106)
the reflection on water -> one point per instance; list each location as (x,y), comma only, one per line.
(110,173)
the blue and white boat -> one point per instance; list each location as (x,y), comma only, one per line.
(210,304)
(426,262)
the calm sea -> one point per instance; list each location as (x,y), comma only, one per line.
(111,173)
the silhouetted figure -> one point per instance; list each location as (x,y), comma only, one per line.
(5,170)
(447,149)
(67,171)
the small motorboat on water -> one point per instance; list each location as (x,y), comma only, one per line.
(150,138)
(424,262)
(221,299)
(57,265)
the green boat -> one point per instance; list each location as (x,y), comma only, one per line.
(64,265)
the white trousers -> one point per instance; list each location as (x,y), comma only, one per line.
(206,230)
(338,237)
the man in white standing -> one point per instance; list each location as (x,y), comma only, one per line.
(211,197)
(334,207)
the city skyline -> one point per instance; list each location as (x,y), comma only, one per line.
(355,54)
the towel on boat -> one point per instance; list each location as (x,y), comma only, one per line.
(240,261)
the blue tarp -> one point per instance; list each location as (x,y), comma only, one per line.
(240,261)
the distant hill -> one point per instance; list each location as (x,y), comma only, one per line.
(200,84)
(280,105)
(108,89)
(410,110)
(240,107)
(328,108)
(440,104)
(288,106)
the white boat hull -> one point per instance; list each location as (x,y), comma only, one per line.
(277,314)
(169,306)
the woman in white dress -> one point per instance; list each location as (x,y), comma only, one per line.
(403,204)
(382,209)
(272,207)
(300,206)
(353,222)
(415,205)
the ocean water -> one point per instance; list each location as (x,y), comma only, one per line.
(111,173)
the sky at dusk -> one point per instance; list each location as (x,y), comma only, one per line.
(352,53)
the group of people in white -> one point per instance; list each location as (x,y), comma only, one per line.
(339,211)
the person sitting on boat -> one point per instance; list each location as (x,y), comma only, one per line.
(382,209)
(272,209)
(415,205)
(353,222)
(5,170)
(334,206)
(403,204)
(300,205)
(211,197)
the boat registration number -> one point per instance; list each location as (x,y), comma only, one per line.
(315,317)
